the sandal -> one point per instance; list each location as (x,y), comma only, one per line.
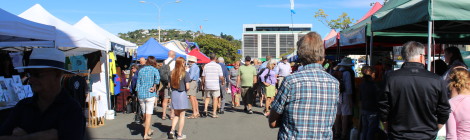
(150,133)
(215,116)
(164,118)
(146,137)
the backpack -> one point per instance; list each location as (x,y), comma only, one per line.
(258,75)
(165,72)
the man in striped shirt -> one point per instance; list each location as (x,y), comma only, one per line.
(211,76)
(305,105)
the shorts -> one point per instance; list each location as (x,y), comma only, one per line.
(234,89)
(247,95)
(212,93)
(270,91)
(193,85)
(147,105)
(279,81)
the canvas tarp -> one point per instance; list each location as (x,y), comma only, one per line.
(201,58)
(68,38)
(172,45)
(19,32)
(331,39)
(153,48)
(90,27)
(450,16)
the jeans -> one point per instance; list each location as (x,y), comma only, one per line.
(370,125)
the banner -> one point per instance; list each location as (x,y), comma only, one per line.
(353,37)
(330,42)
(118,49)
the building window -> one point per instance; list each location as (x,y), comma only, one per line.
(250,45)
(286,43)
(268,45)
(249,29)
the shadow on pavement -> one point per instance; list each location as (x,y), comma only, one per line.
(161,127)
(136,128)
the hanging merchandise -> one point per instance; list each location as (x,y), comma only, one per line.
(112,71)
(117,84)
(17,60)
(78,62)
(94,62)
(77,87)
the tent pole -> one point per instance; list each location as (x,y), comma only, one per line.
(370,47)
(337,51)
(367,58)
(429,45)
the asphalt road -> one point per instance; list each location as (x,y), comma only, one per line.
(235,124)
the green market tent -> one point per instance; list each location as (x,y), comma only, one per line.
(446,20)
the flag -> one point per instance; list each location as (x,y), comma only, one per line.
(292,7)
(187,47)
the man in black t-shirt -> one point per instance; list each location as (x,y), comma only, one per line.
(51,113)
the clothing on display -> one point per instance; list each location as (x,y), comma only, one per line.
(17,60)
(78,62)
(77,87)
(112,71)
(117,85)
(93,59)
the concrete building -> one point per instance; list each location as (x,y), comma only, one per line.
(260,40)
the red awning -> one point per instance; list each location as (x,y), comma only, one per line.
(201,58)
(372,10)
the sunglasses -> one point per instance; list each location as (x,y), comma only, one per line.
(37,74)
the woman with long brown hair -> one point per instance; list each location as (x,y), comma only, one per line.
(179,82)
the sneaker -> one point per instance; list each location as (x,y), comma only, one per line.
(245,109)
(250,112)
(171,135)
(182,137)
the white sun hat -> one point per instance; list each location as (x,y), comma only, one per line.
(46,58)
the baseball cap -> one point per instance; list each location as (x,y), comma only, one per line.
(247,58)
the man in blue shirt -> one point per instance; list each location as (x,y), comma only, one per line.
(305,105)
(194,72)
(223,88)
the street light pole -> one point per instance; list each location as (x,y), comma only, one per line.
(159,11)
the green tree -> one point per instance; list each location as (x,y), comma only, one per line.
(342,22)
(221,47)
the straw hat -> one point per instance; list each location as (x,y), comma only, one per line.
(192,58)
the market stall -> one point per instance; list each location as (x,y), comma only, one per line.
(153,48)
(17,33)
(201,58)
(444,21)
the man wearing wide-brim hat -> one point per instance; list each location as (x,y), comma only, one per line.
(344,110)
(194,74)
(51,113)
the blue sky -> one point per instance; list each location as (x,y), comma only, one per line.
(216,16)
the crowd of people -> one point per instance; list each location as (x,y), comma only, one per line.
(320,100)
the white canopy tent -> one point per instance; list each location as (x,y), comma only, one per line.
(171,45)
(90,27)
(68,38)
(17,33)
